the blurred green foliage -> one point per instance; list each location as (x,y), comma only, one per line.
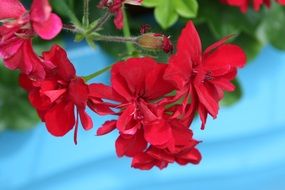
(16,113)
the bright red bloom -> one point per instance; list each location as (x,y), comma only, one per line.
(202,77)
(115,7)
(244,4)
(19,26)
(140,91)
(58,95)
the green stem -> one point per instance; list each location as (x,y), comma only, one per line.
(85,19)
(127,33)
(119,39)
(100,23)
(97,73)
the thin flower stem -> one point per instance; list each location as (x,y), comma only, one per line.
(97,73)
(100,22)
(85,19)
(119,39)
(127,33)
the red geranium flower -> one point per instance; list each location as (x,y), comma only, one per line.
(115,7)
(18,27)
(243,4)
(140,90)
(59,94)
(202,77)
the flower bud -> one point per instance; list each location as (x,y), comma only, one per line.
(155,41)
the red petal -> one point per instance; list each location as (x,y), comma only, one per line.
(58,57)
(10,47)
(78,92)
(107,127)
(49,28)
(217,44)
(224,84)
(11,9)
(193,156)
(203,115)
(60,119)
(125,118)
(189,44)
(103,91)
(131,145)
(158,133)
(143,161)
(227,54)
(85,119)
(179,70)
(207,100)
(40,10)
(119,20)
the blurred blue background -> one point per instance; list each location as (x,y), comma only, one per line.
(242,149)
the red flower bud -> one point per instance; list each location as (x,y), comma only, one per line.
(154,41)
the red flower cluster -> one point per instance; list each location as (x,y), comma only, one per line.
(18,28)
(153,126)
(58,94)
(115,7)
(243,4)
(155,102)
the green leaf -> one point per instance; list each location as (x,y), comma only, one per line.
(186,8)
(152,3)
(167,12)
(91,42)
(231,98)
(79,37)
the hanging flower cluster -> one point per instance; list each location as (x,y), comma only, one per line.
(155,103)
(244,4)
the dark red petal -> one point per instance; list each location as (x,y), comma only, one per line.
(158,133)
(155,85)
(193,156)
(203,115)
(179,70)
(85,119)
(205,97)
(40,10)
(25,82)
(10,47)
(143,161)
(282,2)
(78,92)
(58,57)
(131,145)
(224,84)
(125,118)
(11,9)
(217,44)
(53,95)
(60,119)
(160,154)
(227,54)
(49,28)
(103,91)
(189,43)
(119,20)
(107,127)
(133,72)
